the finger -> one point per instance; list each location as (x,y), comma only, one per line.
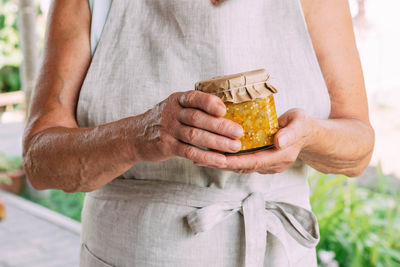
(199,119)
(258,160)
(200,156)
(292,127)
(285,137)
(207,102)
(247,161)
(199,137)
(286,117)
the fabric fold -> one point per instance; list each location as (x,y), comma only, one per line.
(261,217)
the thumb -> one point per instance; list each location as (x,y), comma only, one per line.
(290,125)
(284,119)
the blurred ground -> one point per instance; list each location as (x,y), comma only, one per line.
(36,237)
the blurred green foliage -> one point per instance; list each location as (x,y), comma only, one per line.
(68,204)
(361,225)
(10,56)
(8,164)
(9,79)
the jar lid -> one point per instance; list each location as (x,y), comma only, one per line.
(240,87)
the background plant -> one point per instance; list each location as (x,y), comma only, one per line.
(361,225)
(8,164)
(68,204)
(10,56)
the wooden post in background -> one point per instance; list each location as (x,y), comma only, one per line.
(29,47)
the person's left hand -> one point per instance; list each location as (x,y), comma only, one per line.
(293,136)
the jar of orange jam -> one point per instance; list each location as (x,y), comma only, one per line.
(249,102)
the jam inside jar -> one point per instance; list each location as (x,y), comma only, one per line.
(249,101)
(259,121)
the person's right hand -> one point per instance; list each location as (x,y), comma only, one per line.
(181,123)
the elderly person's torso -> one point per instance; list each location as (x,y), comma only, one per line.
(149,215)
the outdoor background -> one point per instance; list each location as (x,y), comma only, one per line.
(359,218)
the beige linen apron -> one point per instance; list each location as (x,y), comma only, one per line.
(175,213)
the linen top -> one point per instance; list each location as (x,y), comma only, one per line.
(150,49)
(172,48)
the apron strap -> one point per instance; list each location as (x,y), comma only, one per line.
(254,229)
(260,218)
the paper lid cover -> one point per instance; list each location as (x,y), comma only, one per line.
(240,87)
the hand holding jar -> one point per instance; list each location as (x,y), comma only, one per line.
(181,124)
(249,100)
(292,138)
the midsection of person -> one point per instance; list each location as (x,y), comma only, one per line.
(107,121)
(174,48)
(341,144)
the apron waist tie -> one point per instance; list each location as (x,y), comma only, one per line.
(261,218)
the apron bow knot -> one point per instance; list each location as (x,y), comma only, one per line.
(261,217)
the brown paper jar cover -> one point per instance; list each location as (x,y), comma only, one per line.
(249,101)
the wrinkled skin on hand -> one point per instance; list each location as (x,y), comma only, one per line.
(289,141)
(177,125)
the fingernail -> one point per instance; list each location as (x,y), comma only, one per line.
(282,141)
(237,131)
(235,146)
(221,109)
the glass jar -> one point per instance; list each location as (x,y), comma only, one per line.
(249,102)
(258,119)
